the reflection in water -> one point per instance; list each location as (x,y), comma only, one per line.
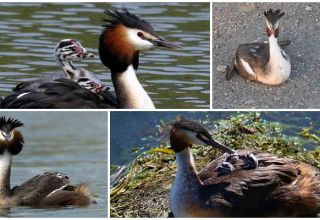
(173,78)
(140,129)
(74,143)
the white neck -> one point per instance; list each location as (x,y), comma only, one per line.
(274,49)
(130,91)
(278,67)
(5,169)
(185,161)
(185,189)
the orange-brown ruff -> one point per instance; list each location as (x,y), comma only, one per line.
(276,187)
(46,189)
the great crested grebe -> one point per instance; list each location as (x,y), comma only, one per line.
(272,187)
(123,37)
(264,62)
(49,188)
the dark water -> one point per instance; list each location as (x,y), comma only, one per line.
(74,143)
(131,130)
(173,78)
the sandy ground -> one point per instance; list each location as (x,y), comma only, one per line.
(236,23)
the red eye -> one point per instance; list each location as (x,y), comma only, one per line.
(140,34)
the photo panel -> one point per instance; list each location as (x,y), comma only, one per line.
(58,163)
(265,55)
(214,164)
(72,55)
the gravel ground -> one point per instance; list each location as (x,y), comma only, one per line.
(236,23)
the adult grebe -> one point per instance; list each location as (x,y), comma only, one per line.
(264,62)
(258,184)
(49,188)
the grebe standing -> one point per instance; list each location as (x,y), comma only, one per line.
(47,189)
(120,43)
(264,62)
(272,187)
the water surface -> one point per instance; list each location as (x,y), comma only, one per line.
(74,143)
(173,78)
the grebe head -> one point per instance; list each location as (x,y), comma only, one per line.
(124,35)
(10,138)
(92,84)
(185,132)
(70,49)
(272,21)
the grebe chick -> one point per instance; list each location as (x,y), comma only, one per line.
(46,189)
(66,51)
(264,62)
(274,187)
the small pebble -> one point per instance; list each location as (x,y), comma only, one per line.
(308,8)
(222,68)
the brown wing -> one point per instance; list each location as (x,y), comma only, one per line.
(71,195)
(244,189)
(256,55)
(34,190)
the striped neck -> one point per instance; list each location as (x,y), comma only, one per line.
(68,68)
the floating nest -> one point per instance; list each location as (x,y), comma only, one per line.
(142,188)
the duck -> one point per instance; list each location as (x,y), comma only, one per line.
(123,37)
(242,183)
(266,63)
(43,190)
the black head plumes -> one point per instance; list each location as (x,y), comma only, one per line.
(272,21)
(273,16)
(127,19)
(191,126)
(8,124)
(10,139)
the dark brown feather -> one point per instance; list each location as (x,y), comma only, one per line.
(277,187)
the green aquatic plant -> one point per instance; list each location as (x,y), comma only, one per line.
(143,190)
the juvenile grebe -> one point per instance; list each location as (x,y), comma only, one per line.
(264,62)
(49,188)
(66,51)
(273,187)
(123,37)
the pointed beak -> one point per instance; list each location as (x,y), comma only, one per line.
(83,53)
(87,55)
(161,42)
(217,145)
